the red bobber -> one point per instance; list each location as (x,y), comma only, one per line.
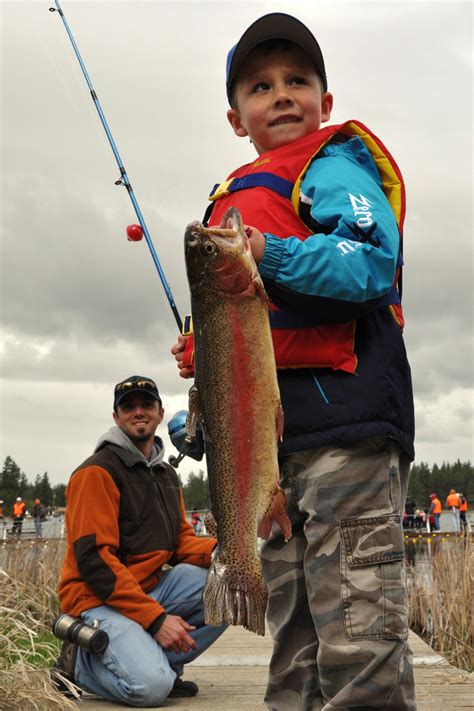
(134,233)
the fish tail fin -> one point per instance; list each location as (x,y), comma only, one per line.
(241,601)
(275,512)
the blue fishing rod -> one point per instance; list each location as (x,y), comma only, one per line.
(134,232)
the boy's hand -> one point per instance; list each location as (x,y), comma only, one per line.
(173,635)
(257,242)
(185,371)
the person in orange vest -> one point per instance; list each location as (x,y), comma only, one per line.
(453,502)
(1,510)
(435,511)
(18,514)
(463,512)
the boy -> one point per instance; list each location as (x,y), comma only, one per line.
(324,209)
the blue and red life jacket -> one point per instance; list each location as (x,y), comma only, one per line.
(267,193)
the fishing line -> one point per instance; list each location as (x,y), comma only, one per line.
(123,180)
(59,74)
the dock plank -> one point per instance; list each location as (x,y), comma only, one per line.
(232,676)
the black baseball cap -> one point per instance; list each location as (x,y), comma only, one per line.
(276,25)
(135,384)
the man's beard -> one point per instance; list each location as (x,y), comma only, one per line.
(137,437)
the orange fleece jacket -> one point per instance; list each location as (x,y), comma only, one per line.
(123,524)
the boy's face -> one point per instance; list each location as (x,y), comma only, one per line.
(278,98)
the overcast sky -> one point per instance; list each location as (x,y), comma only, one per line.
(82,308)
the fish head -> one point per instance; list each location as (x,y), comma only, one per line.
(220,258)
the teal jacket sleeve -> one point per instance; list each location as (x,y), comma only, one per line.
(348,265)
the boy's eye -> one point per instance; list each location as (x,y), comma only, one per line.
(297,80)
(261,86)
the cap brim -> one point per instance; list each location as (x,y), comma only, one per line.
(118,399)
(277,25)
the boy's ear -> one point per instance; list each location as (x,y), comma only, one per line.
(233,118)
(326,106)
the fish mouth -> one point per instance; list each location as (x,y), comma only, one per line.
(194,234)
(223,251)
(285,119)
(197,234)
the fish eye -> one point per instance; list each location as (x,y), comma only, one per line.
(209,247)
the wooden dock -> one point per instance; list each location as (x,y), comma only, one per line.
(232,676)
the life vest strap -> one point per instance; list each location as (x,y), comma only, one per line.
(256,180)
(393,297)
(284,319)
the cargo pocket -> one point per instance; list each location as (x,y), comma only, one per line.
(372,578)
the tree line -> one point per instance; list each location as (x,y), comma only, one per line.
(14,483)
(423,482)
(196,492)
(440,480)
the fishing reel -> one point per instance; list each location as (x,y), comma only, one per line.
(186,445)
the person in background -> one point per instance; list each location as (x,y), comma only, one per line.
(39,515)
(196,521)
(410,507)
(420,519)
(453,502)
(2,516)
(133,565)
(463,512)
(18,514)
(435,511)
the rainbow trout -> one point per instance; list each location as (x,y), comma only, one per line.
(237,401)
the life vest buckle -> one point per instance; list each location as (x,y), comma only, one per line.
(221,190)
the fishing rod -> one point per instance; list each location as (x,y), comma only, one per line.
(134,232)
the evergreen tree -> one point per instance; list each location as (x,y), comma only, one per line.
(196,492)
(59,495)
(45,492)
(24,490)
(36,488)
(10,483)
(439,480)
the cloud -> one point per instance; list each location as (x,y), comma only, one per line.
(81,307)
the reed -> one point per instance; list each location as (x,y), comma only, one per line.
(29,573)
(441,600)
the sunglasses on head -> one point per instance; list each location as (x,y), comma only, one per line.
(129,385)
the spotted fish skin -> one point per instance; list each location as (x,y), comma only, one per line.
(237,401)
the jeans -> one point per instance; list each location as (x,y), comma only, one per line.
(134,669)
(456,519)
(17,526)
(437,526)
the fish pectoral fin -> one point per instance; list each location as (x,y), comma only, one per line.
(194,415)
(276,511)
(193,412)
(260,289)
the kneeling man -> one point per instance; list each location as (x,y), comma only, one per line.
(133,566)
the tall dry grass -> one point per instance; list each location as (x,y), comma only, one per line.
(441,600)
(29,573)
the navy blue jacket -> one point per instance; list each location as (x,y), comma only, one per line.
(339,275)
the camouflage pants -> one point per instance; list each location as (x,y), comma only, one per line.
(337,602)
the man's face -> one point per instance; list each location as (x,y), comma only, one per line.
(278,98)
(138,415)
